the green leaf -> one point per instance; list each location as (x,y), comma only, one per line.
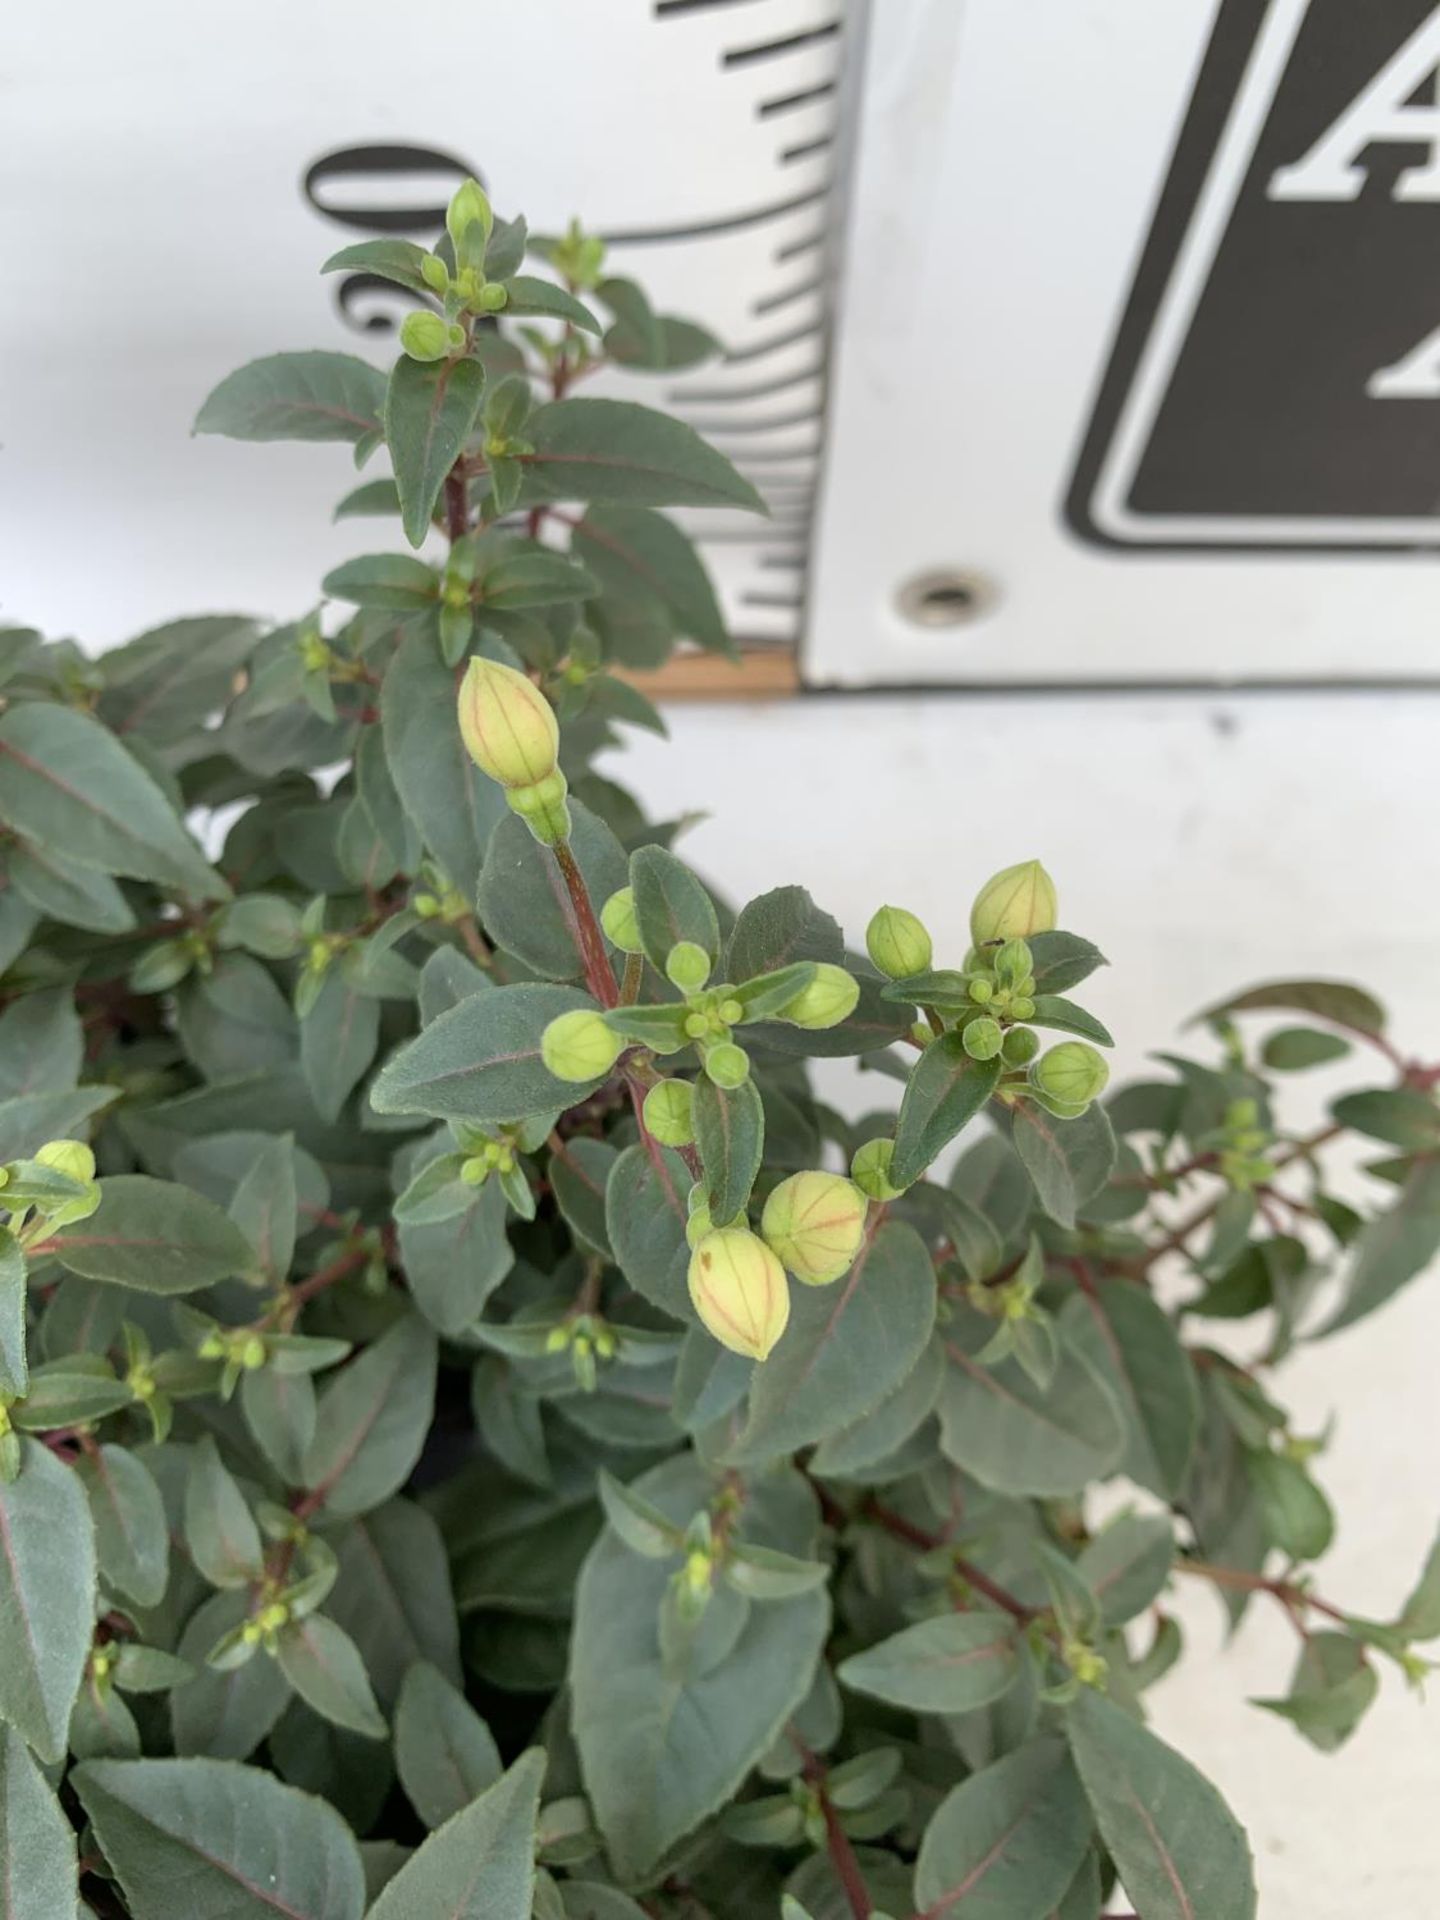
(1335,1000)
(661,1752)
(170,680)
(132,1539)
(949,1664)
(224,1713)
(47,1598)
(154,1236)
(645,1216)
(778,929)
(389,259)
(945,1091)
(670,906)
(67,783)
(297,396)
(338,1037)
(580,1177)
(1331,1692)
(211,1840)
(1297,1517)
(617,453)
(481,1864)
(523,900)
(451,802)
(265,1208)
(373,1418)
(323,1665)
(528,294)
(392,1595)
(1132,1346)
(280,1411)
(44,881)
(1069,1161)
(1127,1564)
(37,1842)
(14,1365)
(1006,1843)
(386,582)
(643,559)
(220,1532)
(730,1134)
(1420,1616)
(1402,1116)
(444,1751)
(1179,1850)
(1062,960)
(481,1060)
(372,496)
(430,412)
(857,1449)
(1394,1248)
(1052,1010)
(454,1264)
(847,1346)
(1014,1438)
(33,1118)
(1294,1049)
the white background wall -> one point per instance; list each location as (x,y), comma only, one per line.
(1204,844)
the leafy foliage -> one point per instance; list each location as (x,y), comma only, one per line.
(478,1436)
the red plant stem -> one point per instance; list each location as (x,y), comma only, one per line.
(1286,1592)
(325,1277)
(598,975)
(842,1855)
(457,505)
(976,1577)
(1176,1238)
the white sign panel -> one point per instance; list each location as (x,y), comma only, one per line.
(174,175)
(1139,369)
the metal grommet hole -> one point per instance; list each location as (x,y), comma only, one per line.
(946,599)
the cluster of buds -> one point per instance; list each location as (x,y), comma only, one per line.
(511,733)
(440,899)
(578,257)
(588,1339)
(54,1189)
(469,221)
(1244,1145)
(812,1226)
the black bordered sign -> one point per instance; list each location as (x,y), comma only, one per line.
(1275,379)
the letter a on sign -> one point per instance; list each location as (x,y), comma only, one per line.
(1384,112)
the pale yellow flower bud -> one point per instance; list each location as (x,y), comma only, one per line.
(738,1288)
(508,726)
(1013,904)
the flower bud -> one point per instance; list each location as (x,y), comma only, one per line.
(508,726)
(425,336)
(470,203)
(71,1157)
(1072,1073)
(738,1288)
(668,1112)
(982,1038)
(727,1065)
(435,273)
(1013,904)
(898,943)
(622,928)
(580,1046)
(543,808)
(829,999)
(1021,1046)
(687,966)
(1013,963)
(870,1170)
(815,1223)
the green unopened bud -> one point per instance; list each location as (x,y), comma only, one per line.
(435,273)
(700,1223)
(492,298)
(727,1065)
(981,989)
(543,808)
(1013,904)
(70,1157)
(737,1287)
(687,966)
(252,1353)
(870,1170)
(982,1038)
(1021,1046)
(475,1171)
(829,999)
(618,918)
(1072,1073)
(898,943)
(470,203)
(425,336)
(580,1046)
(815,1225)
(669,1113)
(508,726)
(1013,963)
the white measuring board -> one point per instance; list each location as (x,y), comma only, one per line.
(1138,352)
(174,175)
